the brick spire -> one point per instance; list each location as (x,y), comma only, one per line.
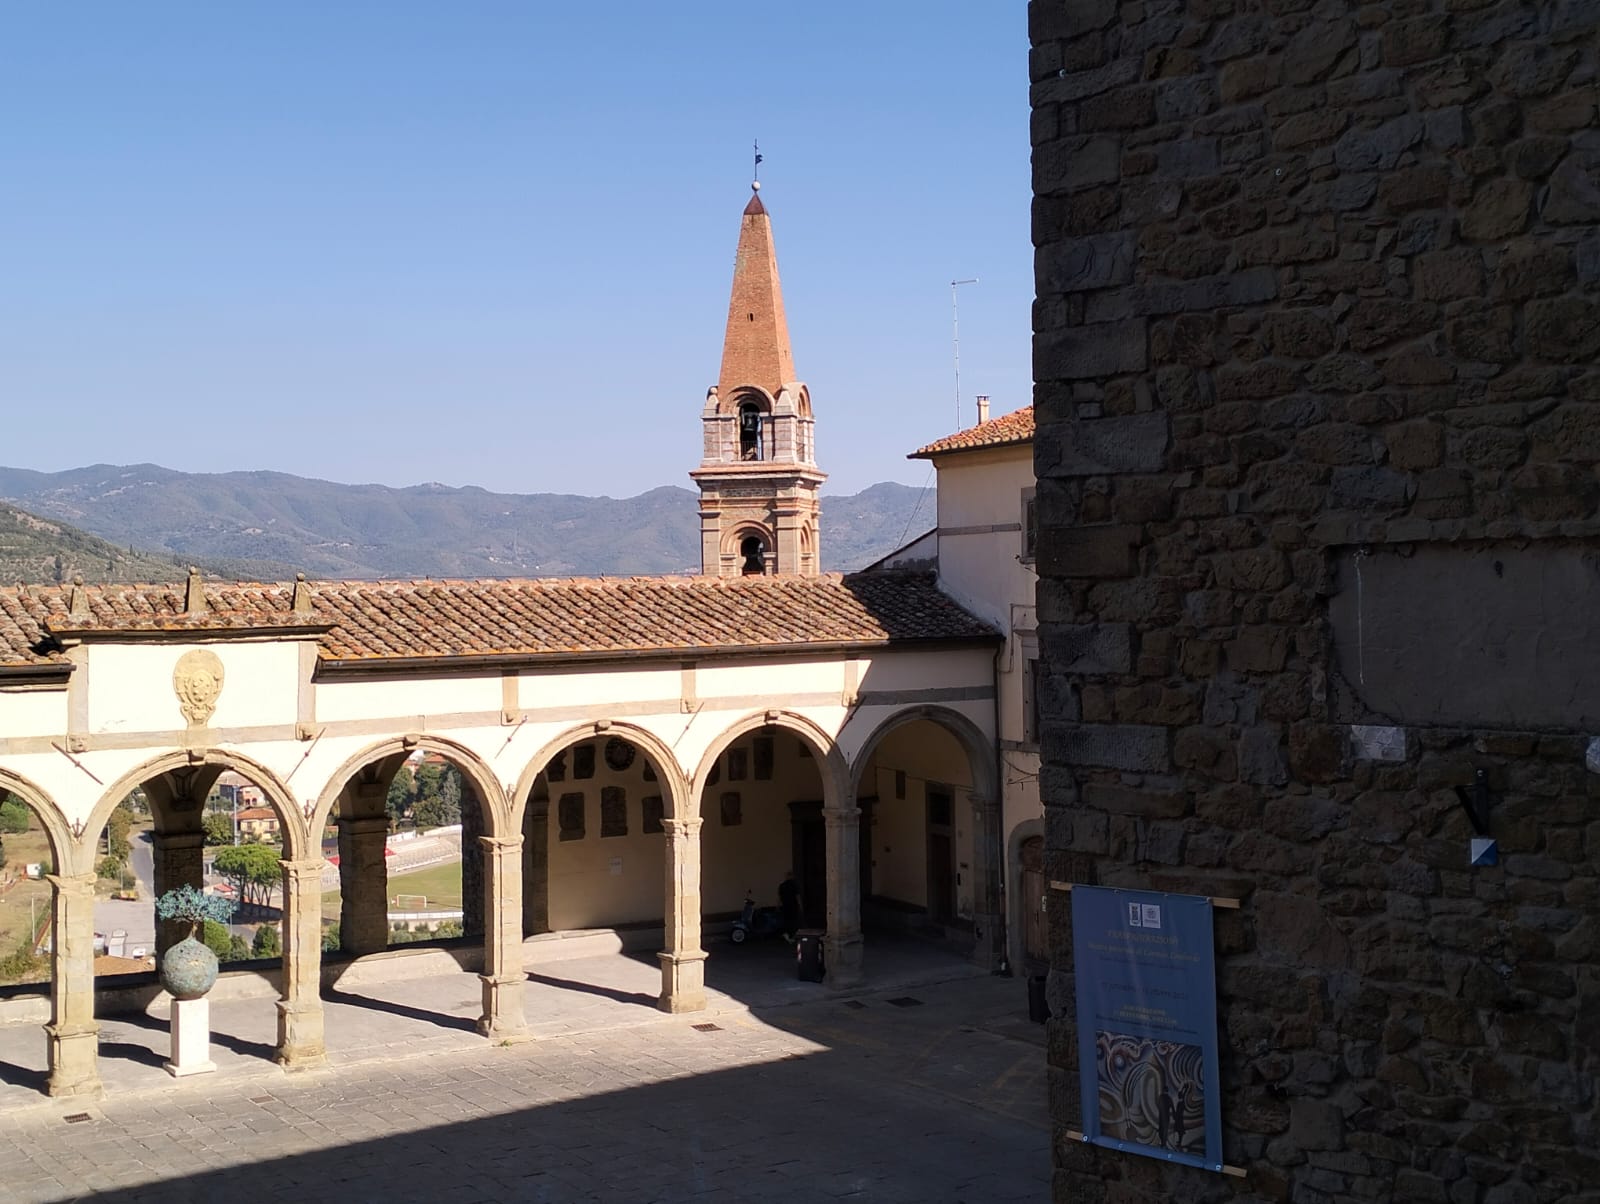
(756,348)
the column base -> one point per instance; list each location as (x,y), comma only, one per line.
(74,1059)
(300,1037)
(683,982)
(502,1020)
(842,957)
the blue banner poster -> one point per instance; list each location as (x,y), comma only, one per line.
(1147,1023)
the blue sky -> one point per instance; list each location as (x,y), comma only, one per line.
(491,243)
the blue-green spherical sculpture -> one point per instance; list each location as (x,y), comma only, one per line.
(188,969)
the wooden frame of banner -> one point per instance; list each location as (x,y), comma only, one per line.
(1238,1172)
(1231,904)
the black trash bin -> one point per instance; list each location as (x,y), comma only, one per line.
(808,955)
(1038,1002)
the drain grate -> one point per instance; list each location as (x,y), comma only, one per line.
(706,1028)
(854,1003)
(906,1001)
(76,1118)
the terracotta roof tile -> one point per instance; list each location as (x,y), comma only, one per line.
(575,616)
(1015,427)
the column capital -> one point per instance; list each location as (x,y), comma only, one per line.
(682,827)
(298,871)
(500,844)
(362,825)
(178,840)
(79,885)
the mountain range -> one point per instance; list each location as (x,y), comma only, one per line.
(270,525)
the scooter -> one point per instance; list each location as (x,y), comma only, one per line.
(755,922)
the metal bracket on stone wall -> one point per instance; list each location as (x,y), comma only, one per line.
(1477,803)
(1214,900)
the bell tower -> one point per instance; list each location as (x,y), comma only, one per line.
(758,475)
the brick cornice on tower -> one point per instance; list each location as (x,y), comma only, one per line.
(758,477)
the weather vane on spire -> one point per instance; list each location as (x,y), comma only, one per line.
(755,177)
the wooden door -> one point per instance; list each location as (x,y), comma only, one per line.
(1035,934)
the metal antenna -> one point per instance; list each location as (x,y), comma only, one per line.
(955,339)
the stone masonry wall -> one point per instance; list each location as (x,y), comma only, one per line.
(1319,429)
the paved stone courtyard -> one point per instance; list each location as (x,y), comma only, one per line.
(926,1092)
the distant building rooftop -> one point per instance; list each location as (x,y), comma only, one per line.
(1015,427)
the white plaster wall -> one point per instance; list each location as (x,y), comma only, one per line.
(926,670)
(770,679)
(597,686)
(985,572)
(33,712)
(129,686)
(405,698)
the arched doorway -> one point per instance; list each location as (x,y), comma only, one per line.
(470,861)
(44,899)
(178,823)
(924,781)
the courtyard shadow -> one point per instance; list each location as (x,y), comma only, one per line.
(813,1126)
(238,1045)
(588,988)
(390,1008)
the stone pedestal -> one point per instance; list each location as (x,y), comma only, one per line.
(683,962)
(191,1038)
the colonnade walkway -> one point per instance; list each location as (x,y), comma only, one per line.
(437,1014)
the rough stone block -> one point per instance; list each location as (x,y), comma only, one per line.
(1088,648)
(1132,748)
(1086,352)
(1248,287)
(1077,264)
(1110,551)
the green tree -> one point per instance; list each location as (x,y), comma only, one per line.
(218,939)
(117,829)
(330,939)
(110,868)
(252,868)
(219,828)
(401,791)
(238,950)
(438,796)
(267,942)
(13,817)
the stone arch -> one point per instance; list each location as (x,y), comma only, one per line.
(834,770)
(670,775)
(63,848)
(491,796)
(290,820)
(978,747)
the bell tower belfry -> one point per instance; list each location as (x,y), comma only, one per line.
(758,475)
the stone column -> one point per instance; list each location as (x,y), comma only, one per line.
(536,868)
(363,884)
(74,1037)
(988,877)
(178,859)
(300,1040)
(503,976)
(842,948)
(473,889)
(683,962)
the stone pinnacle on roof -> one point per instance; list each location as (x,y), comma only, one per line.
(756,349)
